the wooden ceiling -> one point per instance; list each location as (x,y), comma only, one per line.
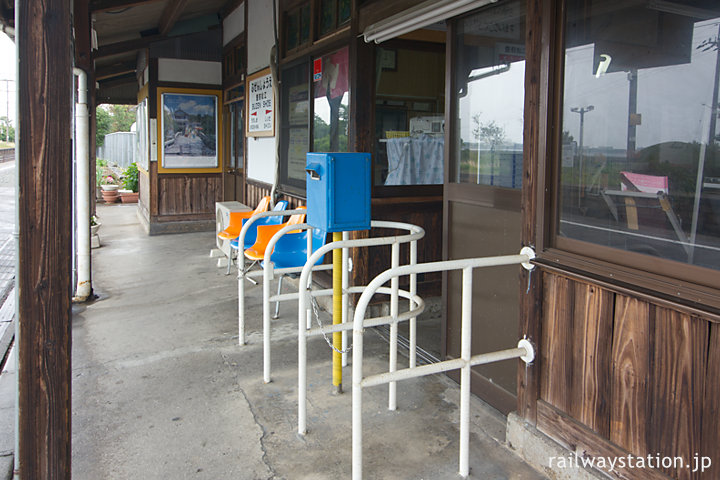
(123,27)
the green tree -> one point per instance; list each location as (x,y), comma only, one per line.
(7,131)
(102,125)
(111,119)
(123,116)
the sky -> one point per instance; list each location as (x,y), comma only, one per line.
(7,72)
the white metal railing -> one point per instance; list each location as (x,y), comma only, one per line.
(416,304)
(268,274)
(524,350)
(242,274)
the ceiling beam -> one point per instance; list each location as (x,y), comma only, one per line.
(126,46)
(111,71)
(105,5)
(170,15)
(119,81)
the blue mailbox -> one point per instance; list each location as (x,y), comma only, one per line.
(338,191)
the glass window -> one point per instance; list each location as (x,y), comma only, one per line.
(304,24)
(321,95)
(343,11)
(295,131)
(327,14)
(330,85)
(639,167)
(489,81)
(409,115)
(292,30)
(297,27)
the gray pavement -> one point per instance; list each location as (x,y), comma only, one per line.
(161,390)
(7,316)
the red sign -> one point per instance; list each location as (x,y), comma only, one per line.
(317,70)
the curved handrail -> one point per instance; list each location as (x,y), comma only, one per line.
(241,263)
(304,324)
(524,350)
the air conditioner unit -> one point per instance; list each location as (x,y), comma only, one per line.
(222,220)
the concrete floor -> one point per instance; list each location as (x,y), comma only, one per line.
(161,390)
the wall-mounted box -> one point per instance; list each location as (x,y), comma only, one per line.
(338,191)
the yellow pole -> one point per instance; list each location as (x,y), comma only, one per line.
(337,314)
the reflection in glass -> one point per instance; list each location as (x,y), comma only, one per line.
(490,84)
(639,166)
(295,124)
(330,125)
(409,115)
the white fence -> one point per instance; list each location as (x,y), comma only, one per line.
(119,148)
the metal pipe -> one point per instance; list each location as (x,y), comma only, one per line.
(465,354)
(416,233)
(345,296)
(241,264)
(83,290)
(268,272)
(266,320)
(413,321)
(357,373)
(241,305)
(524,350)
(394,285)
(337,314)
(444,366)
(370,322)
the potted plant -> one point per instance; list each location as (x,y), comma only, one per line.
(109,187)
(130,181)
(94,225)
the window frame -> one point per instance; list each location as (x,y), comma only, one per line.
(430,190)
(285,184)
(671,280)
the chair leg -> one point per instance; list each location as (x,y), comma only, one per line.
(247,269)
(277,304)
(230,261)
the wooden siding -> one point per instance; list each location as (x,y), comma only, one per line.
(144,190)
(621,375)
(184,195)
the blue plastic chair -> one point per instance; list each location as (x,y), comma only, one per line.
(291,251)
(251,234)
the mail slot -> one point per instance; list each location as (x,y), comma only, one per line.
(338,191)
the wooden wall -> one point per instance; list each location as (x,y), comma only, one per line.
(188,196)
(620,374)
(144,194)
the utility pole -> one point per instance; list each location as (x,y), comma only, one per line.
(582,111)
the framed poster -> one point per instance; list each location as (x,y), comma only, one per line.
(189,130)
(260,105)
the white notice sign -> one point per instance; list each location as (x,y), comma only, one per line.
(260,105)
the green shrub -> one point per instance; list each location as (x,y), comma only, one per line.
(130,177)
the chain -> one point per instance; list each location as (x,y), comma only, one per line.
(316,313)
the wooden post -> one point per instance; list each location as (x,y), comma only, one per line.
(45,80)
(531,282)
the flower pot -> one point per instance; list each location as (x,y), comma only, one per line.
(128,197)
(94,229)
(109,188)
(110,196)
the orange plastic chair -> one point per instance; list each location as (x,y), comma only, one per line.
(266,232)
(233,229)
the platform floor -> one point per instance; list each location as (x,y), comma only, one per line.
(162,390)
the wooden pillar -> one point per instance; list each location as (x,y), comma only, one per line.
(533,151)
(44,247)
